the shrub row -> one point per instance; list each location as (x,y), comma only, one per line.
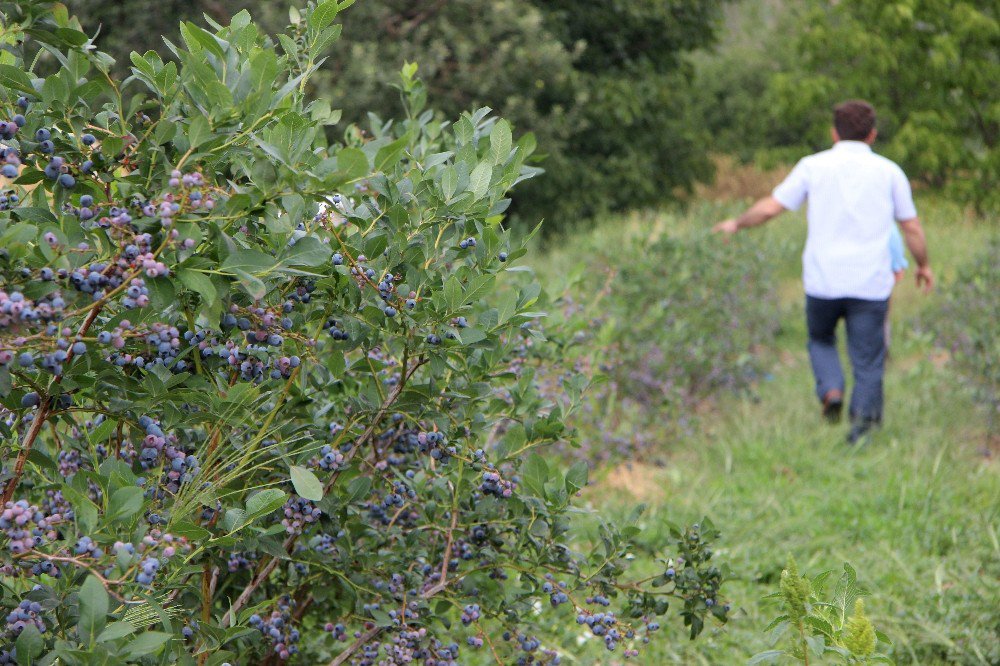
(966,325)
(669,322)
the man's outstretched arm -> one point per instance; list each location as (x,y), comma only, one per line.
(757,214)
(916,241)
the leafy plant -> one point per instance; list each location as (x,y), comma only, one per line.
(818,627)
(552,68)
(257,387)
(964,326)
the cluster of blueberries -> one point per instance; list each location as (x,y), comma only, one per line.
(555,590)
(86,547)
(329,459)
(383,511)
(69,462)
(10,157)
(160,448)
(46,567)
(338,631)
(239,561)
(27,526)
(298,513)
(26,613)
(8,200)
(325,543)
(57,169)
(278,628)
(410,646)
(17,310)
(9,128)
(147,571)
(495,485)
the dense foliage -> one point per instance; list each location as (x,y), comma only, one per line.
(930,68)
(966,326)
(669,320)
(553,68)
(266,395)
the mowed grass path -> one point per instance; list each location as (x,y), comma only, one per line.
(916,512)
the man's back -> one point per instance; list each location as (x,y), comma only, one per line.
(855,196)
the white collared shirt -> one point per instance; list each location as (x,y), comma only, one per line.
(855,196)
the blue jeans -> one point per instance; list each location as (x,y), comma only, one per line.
(865,323)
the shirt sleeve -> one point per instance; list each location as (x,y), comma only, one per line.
(792,191)
(902,197)
(896,251)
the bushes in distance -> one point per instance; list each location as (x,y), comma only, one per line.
(966,326)
(256,395)
(669,319)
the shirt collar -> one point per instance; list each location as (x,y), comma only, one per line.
(853,146)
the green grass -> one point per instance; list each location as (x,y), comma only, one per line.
(917,512)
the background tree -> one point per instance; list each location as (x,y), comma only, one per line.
(930,68)
(556,70)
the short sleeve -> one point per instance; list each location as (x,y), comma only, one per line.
(902,197)
(792,191)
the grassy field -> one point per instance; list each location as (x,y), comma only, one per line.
(917,512)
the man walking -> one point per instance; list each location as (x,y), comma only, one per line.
(855,196)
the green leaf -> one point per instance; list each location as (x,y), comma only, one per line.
(353,163)
(198,282)
(102,432)
(308,251)
(306,484)
(125,503)
(507,306)
(199,131)
(479,286)
(389,154)
(114,631)
(500,141)
(29,644)
(576,476)
(449,182)
(464,130)
(266,501)
(250,284)
(768,656)
(324,14)
(15,77)
(358,488)
(453,293)
(479,180)
(253,262)
(147,643)
(189,530)
(93,609)
(534,474)
(381,618)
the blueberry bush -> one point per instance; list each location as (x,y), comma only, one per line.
(260,390)
(965,325)
(669,321)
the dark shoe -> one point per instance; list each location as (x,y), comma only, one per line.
(833,405)
(860,430)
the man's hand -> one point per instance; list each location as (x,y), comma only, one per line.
(757,214)
(727,227)
(925,279)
